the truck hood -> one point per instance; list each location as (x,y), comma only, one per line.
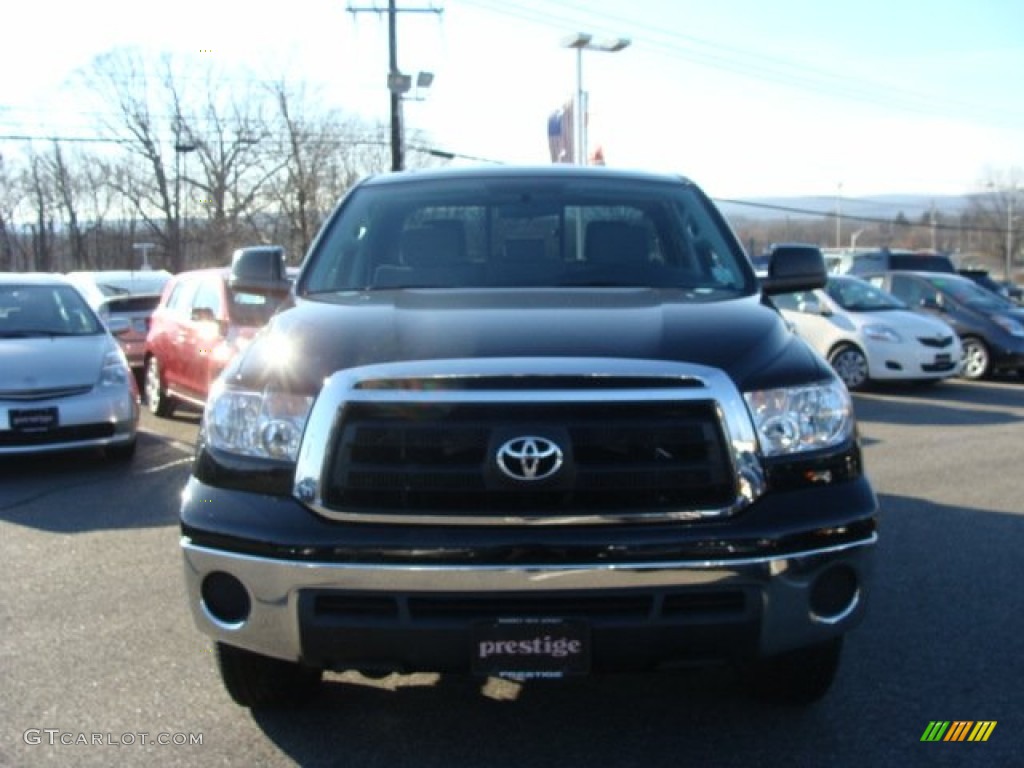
(741,336)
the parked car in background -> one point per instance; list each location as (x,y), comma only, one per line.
(64,382)
(872,262)
(983,277)
(136,312)
(132,295)
(991,328)
(203,319)
(99,285)
(869,335)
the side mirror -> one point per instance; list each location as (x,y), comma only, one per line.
(260,269)
(794,268)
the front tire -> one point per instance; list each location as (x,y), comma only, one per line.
(977,360)
(851,365)
(797,678)
(158,401)
(262,682)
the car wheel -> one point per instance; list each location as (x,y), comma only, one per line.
(159,402)
(259,682)
(851,365)
(976,359)
(797,677)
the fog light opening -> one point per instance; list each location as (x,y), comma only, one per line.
(225,599)
(834,594)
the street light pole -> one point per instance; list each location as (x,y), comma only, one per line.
(839,215)
(1009,233)
(581,41)
(180,148)
(1011,192)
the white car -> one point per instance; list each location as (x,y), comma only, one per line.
(870,335)
(64,381)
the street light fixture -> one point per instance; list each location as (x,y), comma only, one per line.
(584,42)
(145,248)
(400,84)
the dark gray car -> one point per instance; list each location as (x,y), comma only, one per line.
(990,327)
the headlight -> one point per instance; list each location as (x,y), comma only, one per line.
(263,424)
(882,333)
(115,371)
(798,419)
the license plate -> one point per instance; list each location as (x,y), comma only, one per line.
(525,649)
(943,358)
(33,419)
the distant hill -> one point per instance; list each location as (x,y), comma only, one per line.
(877,207)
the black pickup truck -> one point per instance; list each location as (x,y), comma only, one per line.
(529,423)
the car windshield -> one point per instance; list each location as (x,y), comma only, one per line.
(45,310)
(971,294)
(861,296)
(536,231)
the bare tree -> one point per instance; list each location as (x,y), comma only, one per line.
(310,151)
(9,199)
(121,80)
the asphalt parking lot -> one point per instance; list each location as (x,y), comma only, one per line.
(100,663)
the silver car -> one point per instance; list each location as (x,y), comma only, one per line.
(64,381)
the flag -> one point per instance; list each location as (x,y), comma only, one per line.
(560,134)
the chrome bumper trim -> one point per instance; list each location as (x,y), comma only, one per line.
(272,627)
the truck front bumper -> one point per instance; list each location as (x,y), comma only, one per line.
(399,617)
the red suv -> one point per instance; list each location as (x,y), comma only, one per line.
(204,318)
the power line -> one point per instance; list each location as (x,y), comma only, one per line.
(749,64)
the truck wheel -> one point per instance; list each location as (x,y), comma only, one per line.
(797,677)
(159,402)
(851,365)
(976,359)
(263,682)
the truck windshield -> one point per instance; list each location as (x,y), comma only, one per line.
(528,232)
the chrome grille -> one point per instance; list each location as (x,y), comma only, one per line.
(417,443)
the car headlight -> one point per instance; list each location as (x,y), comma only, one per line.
(882,333)
(1009,325)
(264,424)
(115,371)
(798,419)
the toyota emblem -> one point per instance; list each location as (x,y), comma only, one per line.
(529,458)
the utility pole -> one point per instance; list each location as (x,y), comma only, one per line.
(398,83)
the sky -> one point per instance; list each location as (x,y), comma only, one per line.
(747,98)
